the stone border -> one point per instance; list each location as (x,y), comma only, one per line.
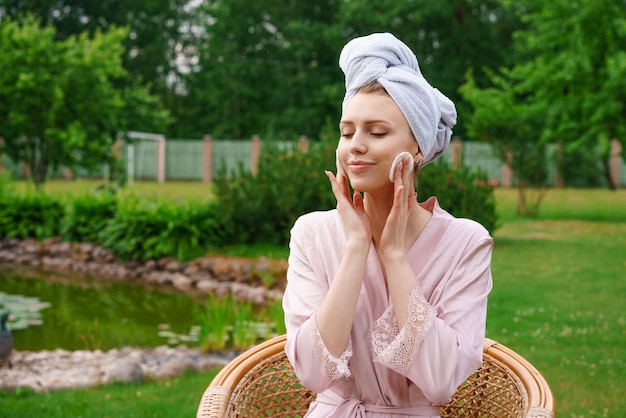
(255,280)
(62,369)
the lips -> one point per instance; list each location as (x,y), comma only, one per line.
(358,166)
(359,163)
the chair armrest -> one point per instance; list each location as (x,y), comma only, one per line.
(214,402)
(538,412)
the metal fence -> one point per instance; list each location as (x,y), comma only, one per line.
(204,159)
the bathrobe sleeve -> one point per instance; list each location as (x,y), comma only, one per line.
(307,285)
(442,342)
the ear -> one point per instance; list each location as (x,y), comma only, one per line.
(419,159)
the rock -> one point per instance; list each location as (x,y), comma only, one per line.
(60,249)
(206,286)
(104,255)
(61,369)
(274,294)
(121,370)
(174,367)
(244,292)
(30,246)
(222,269)
(85,248)
(181,282)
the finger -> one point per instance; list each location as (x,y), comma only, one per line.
(402,177)
(345,185)
(339,185)
(334,184)
(357,200)
(399,202)
(397,174)
(412,200)
(406,170)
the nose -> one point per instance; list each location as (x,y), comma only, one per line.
(357,143)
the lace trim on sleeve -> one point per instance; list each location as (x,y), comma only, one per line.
(396,348)
(333,367)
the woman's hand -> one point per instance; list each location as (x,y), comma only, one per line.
(392,239)
(351,210)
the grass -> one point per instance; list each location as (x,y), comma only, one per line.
(176,397)
(558,300)
(170,191)
(559,293)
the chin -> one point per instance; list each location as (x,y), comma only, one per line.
(368,185)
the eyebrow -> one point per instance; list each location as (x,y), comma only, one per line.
(367,122)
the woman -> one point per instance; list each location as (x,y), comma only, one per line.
(385,305)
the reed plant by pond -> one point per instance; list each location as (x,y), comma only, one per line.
(558,297)
(228,325)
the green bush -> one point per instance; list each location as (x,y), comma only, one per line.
(30,216)
(6,188)
(87,216)
(462,193)
(261,208)
(144,230)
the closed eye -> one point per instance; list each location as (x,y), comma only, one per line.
(379,134)
(347,135)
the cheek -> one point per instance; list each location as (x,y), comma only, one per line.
(343,150)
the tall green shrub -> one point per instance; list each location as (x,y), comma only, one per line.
(463,193)
(87,216)
(261,208)
(144,230)
(30,216)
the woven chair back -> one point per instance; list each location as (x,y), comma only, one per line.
(262,383)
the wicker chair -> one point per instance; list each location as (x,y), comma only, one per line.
(261,383)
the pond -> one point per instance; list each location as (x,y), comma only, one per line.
(82,312)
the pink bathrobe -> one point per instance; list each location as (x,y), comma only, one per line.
(385,371)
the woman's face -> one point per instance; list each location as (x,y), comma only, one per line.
(373,131)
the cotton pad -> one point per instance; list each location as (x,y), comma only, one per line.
(398,160)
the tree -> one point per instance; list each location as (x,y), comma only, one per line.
(577,52)
(448,37)
(506,117)
(157,29)
(263,68)
(571,57)
(59,100)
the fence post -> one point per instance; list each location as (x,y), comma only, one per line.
(303,144)
(255,153)
(207,159)
(457,152)
(160,159)
(615,162)
(507,171)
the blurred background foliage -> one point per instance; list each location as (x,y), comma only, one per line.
(532,71)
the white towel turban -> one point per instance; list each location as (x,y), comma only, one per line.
(384,58)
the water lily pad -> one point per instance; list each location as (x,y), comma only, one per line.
(25,310)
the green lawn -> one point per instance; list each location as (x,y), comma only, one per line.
(559,292)
(171,190)
(177,397)
(558,300)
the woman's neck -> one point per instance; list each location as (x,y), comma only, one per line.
(378,208)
